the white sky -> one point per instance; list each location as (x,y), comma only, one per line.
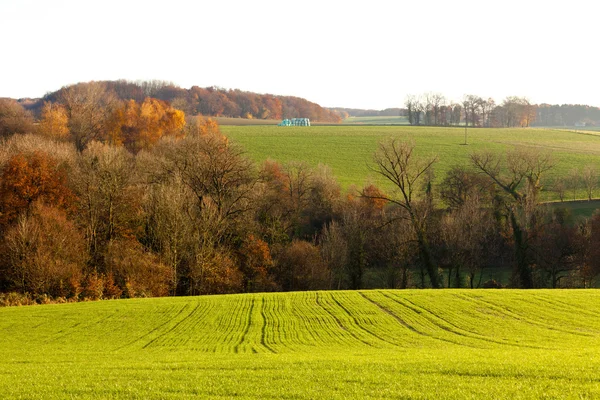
(360,54)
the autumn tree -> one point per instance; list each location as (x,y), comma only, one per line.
(300,267)
(55,121)
(140,126)
(27,178)
(136,271)
(256,265)
(14,118)
(44,253)
(520,179)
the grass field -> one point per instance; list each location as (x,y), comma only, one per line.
(244,121)
(579,209)
(419,344)
(348,150)
(398,120)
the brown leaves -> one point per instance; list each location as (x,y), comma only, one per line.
(30,177)
(139,126)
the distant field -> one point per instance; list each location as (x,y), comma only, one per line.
(577,128)
(244,121)
(398,120)
(418,344)
(348,150)
(579,209)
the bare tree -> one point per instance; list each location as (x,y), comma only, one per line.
(104,183)
(560,187)
(88,107)
(396,162)
(589,178)
(520,179)
(470,236)
(574,182)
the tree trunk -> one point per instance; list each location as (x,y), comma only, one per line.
(522,271)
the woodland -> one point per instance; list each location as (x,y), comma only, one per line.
(105,197)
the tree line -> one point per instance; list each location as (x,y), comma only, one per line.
(103,198)
(434,109)
(210,101)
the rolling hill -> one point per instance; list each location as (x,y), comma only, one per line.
(421,344)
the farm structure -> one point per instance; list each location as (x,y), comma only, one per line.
(295,122)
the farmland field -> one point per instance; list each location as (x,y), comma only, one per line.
(348,150)
(421,344)
(397,120)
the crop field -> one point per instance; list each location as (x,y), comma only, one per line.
(348,150)
(398,120)
(421,344)
(244,121)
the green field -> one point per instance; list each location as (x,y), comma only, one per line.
(348,150)
(244,121)
(397,120)
(421,344)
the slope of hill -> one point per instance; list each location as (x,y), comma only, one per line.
(210,101)
(417,344)
(354,147)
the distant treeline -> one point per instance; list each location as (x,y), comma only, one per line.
(434,109)
(210,101)
(356,112)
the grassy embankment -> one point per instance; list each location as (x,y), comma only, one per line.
(418,344)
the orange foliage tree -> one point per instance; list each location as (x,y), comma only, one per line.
(256,265)
(139,126)
(27,178)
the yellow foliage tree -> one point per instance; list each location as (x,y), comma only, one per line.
(55,121)
(139,126)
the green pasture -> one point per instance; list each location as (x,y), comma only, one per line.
(388,120)
(244,121)
(421,344)
(348,150)
(578,209)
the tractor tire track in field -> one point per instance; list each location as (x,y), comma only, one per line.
(236,349)
(450,327)
(174,326)
(521,318)
(407,325)
(358,325)
(263,331)
(458,330)
(339,322)
(155,329)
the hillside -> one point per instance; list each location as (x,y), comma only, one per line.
(210,101)
(354,147)
(418,344)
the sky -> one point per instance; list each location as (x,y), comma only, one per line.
(355,54)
